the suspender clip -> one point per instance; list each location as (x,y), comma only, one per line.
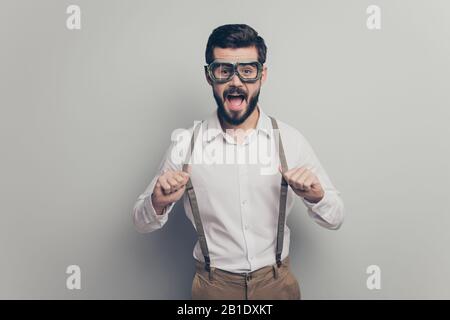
(278,257)
(207,263)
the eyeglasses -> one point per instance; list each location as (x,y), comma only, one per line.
(223,71)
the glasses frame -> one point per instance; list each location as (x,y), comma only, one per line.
(208,69)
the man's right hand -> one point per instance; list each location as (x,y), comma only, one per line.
(169,188)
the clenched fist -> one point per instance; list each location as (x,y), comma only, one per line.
(304,183)
(169,188)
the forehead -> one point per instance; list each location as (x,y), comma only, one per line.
(236,54)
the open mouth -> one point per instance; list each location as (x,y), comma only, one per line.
(235,101)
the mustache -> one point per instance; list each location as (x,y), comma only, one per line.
(234,90)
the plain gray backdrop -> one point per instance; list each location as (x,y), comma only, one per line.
(86,116)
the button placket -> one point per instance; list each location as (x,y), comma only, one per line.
(244,189)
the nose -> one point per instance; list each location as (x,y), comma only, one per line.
(235,81)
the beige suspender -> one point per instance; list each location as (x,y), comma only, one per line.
(282,206)
(194,204)
(283,194)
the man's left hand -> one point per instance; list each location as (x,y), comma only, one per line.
(304,183)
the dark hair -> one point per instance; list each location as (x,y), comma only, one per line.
(235,36)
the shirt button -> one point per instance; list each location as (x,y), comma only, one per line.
(246,227)
(244,202)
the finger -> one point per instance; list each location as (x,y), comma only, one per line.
(173,182)
(184,176)
(298,172)
(310,168)
(315,183)
(308,183)
(282,170)
(165,186)
(176,195)
(302,179)
(288,174)
(179,178)
(293,181)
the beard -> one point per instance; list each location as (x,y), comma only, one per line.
(231,118)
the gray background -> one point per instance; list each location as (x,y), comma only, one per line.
(87,115)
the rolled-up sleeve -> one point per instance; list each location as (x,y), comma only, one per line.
(145,217)
(144,214)
(329,211)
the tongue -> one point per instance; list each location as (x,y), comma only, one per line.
(235,102)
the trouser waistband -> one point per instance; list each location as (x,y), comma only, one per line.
(239,276)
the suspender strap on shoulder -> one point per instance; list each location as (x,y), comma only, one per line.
(283,193)
(194,204)
(282,205)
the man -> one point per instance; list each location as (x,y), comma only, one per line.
(239,208)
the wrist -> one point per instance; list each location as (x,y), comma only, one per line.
(314,199)
(159,207)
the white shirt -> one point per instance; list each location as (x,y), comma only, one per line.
(239,200)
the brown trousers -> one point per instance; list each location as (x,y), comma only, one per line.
(267,283)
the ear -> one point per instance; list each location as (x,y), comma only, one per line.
(207,77)
(264,74)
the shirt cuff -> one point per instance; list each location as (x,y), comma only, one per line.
(320,208)
(165,211)
(311,205)
(151,215)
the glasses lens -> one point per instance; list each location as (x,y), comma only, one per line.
(248,71)
(222,71)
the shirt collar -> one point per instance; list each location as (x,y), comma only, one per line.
(214,128)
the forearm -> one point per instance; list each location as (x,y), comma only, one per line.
(146,217)
(328,212)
